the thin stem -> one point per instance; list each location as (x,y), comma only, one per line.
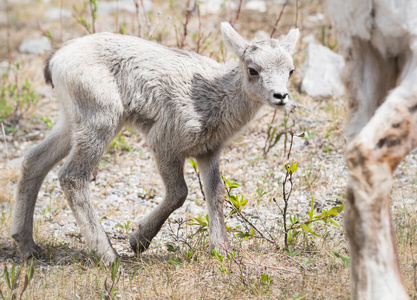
(233,22)
(137,7)
(61,21)
(5,141)
(9,52)
(201,185)
(148,22)
(296,13)
(278,19)
(199,26)
(246,220)
(117,16)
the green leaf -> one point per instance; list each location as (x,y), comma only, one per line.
(334,222)
(176,262)
(287,168)
(194,164)
(311,212)
(294,167)
(345,260)
(25,284)
(335,254)
(6,275)
(115,268)
(231,184)
(171,248)
(305,227)
(334,211)
(31,270)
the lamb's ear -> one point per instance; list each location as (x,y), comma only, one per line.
(289,43)
(233,40)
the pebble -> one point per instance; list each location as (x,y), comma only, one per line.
(35,46)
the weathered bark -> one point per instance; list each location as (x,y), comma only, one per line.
(379,42)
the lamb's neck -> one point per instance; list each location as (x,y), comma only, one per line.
(236,105)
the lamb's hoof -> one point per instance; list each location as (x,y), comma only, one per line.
(30,250)
(138,242)
(110,257)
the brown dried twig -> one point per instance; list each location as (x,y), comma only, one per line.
(278,19)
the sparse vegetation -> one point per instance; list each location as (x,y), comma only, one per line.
(284,246)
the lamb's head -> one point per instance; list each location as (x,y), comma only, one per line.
(266,64)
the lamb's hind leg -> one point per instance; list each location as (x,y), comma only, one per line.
(37,162)
(171,170)
(372,159)
(90,140)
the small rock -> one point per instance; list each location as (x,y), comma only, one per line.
(35,46)
(108,8)
(215,6)
(258,5)
(55,13)
(322,74)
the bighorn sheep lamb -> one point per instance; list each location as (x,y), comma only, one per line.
(185,104)
(379,40)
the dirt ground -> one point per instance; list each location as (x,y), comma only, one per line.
(127,184)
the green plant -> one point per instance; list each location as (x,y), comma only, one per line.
(15,98)
(345,260)
(201,221)
(291,252)
(119,143)
(273,135)
(327,217)
(125,227)
(14,282)
(47,121)
(78,15)
(110,291)
(194,165)
(237,203)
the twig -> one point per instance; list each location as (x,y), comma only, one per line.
(5,143)
(148,22)
(292,139)
(61,21)
(199,27)
(137,7)
(278,19)
(188,13)
(93,10)
(9,51)
(296,13)
(201,185)
(117,16)
(285,196)
(233,22)
(246,220)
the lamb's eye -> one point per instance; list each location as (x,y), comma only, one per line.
(253,72)
(292,71)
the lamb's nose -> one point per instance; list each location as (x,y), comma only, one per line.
(280,96)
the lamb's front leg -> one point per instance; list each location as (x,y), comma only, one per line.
(214,191)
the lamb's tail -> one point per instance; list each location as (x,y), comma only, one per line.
(47,70)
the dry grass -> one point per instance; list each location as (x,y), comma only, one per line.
(68,270)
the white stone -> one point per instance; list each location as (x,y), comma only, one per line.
(35,46)
(215,6)
(322,72)
(108,8)
(4,67)
(54,13)
(258,5)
